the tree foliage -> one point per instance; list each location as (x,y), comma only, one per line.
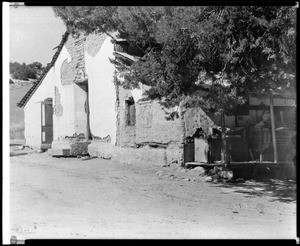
(231,52)
(23,71)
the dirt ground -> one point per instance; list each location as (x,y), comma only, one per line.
(75,198)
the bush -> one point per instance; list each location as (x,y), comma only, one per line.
(23,72)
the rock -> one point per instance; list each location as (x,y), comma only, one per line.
(208,179)
(229,175)
(215,170)
(106,157)
(39,151)
(21,147)
(170,175)
(174,165)
(159,173)
(225,174)
(199,170)
(185,179)
(166,165)
(214,177)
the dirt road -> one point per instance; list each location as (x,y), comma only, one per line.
(96,198)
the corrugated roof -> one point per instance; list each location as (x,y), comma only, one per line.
(34,87)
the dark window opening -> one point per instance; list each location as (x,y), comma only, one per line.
(130,112)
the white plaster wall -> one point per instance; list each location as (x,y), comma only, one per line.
(137,94)
(102,93)
(63,125)
(32,119)
(32,111)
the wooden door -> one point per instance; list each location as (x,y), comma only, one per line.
(189,150)
(47,121)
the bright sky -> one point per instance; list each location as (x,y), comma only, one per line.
(34,32)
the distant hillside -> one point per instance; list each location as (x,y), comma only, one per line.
(16,113)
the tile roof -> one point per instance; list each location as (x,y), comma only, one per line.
(34,87)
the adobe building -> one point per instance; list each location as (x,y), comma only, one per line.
(76,108)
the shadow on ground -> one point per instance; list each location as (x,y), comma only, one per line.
(279,190)
(17,154)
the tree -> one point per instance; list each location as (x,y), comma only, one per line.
(234,52)
(36,65)
(23,71)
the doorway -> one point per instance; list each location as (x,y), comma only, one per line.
(47,121)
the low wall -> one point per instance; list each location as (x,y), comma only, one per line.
(69,147)
(147,155)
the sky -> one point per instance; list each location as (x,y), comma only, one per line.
(34,32)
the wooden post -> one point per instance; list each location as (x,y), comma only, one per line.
(224,155)
(273,128)
(88,129)
(182,125)
(260,144)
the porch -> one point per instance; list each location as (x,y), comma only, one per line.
(252,169)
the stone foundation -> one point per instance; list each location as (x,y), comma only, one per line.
(69,147)
(146,155)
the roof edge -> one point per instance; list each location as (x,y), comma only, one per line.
(35,86)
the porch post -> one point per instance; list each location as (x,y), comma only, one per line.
(260,144)
(224,154)
(182,126)
(273,128)
(88,130)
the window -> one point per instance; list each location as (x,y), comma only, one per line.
(130,112)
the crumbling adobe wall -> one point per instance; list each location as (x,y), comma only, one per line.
(140,156)
(68,72)
(80,116)
(151,128)
(196,118)
(152,125)
(126,133)
(93,43)
(68,69)
(58,109)
(229,120)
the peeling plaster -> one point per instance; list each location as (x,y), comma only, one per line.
(58,109)
(196,118)
(93,43)
(67,73)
